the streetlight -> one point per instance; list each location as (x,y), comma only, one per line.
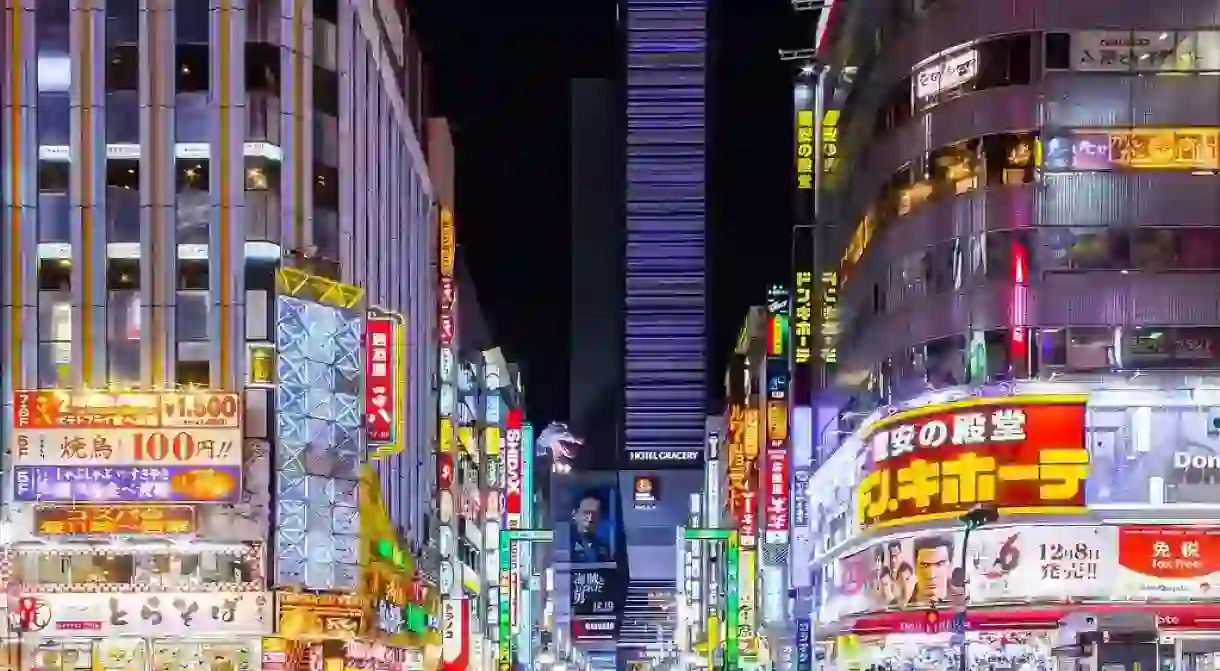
(977,517)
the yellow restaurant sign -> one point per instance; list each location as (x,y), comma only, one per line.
(830,142)
(804,149)
(448,242)
(802,316)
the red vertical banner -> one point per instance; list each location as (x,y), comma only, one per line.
(1018,339)
(455,634)
(513,462)
(379,385)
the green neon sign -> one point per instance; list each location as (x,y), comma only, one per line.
(706,534)
(505,642)
(528,535)
(732,577)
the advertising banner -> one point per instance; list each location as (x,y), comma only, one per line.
(1019,454)
(455,634)
(53,428)
(833,519)
(747,603)
(775,480)
(513,462)
(383,369)
(1023,564)
(603,629)
(145,614)
(1168,563)
(743,449)
(134,484)
(1145,50)
(594,591)
(803,338)
(1155,456)
(120,519)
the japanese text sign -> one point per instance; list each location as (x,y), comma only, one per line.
(514,478)
(776,505)
(121,519)
(1022,452)
(742,466)
(381,372)
(136,429)
(85,484)
(448,242)
(1165,562)
(830,142)
(830,316)
(802,318)
(145,614)
(804,149)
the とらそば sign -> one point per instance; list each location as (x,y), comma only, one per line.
(120,519)
(143,614)
(1016,454)
(54,428)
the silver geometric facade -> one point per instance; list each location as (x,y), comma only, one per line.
(319,444)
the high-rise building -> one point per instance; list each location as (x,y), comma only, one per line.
(179,176)
(1027,245)
(665,322)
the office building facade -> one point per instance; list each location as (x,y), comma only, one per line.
(1021,199)
(166,162)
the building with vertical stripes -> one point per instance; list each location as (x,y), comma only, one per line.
(163,160)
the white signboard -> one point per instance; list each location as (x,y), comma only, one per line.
(147,614)
(453,626)
(946,74)
(126,429)
(127,447)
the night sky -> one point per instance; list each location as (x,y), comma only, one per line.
(500,73)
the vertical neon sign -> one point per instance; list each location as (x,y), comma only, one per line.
(1018,339)
(731,624)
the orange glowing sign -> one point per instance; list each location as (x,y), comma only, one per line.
(153,519)
(1019,454)
(742,471)
(448,242)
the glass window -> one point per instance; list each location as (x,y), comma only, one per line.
(54,217)
(193,274)
(1009,158)
(54,118)
(263,117)
(123,316)
(122,21)
(170,571)
(1058,51)
(192,315)
(945,362)
(52,30)
(1090,348)
(262,174)
(54,316)
(123,275)
(1198,248)
(123,68)
(1005,61)
(122,200)
(938,268)
(326,139)
(123,362)
(192,23)
(54,275)
(194,211)
(327,10)
(262,67)
(54,365)
(326,91)
(955,169)
(192,373)
(326,233)
(192,73)
(1154,249)
(123,117)
(191,120)
(326,187)
(53,176)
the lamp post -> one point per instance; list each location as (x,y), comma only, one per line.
(977,517)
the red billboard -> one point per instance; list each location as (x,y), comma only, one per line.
(1019,454)
(380,352)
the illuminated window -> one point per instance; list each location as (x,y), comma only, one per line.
(54,332)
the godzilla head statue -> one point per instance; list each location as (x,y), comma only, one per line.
(557,440)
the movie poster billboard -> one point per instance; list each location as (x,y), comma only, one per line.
(588,514)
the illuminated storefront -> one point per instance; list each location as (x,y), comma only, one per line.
(149,466)
(1077,479)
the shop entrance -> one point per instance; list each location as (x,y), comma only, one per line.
(140,654)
